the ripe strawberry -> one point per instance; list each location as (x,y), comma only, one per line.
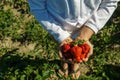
(67,55)
(78,59)
(85,49)
(76,51)
(65,47)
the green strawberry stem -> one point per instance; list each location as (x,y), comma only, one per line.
(78,42)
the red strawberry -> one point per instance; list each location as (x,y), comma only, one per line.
(67,54)
(78,59)
(85,49)
(76,51)
(65,47)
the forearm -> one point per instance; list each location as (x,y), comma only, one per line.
(85,33)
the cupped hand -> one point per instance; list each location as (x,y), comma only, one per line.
(90,51)
(85,34)
(67,40)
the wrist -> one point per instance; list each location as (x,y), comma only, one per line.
(67,40)
(85,33)
(82,38)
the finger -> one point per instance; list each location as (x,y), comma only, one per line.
(90,51)
(70,61)
(60,55)
(85,59)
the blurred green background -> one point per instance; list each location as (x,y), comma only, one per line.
(27,51)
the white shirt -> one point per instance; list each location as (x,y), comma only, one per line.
(61,17)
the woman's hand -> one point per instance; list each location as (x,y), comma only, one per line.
(67,40)
(85,34)
(90,51)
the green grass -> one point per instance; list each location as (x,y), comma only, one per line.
(27,51)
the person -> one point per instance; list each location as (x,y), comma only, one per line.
(68,20)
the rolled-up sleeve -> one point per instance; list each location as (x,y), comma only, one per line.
(102,15)
(39,10)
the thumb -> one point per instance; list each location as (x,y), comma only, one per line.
(90,51)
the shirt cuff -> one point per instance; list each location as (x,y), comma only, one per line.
(93,27)
(62,36)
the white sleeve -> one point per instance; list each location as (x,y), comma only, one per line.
(39,10)
(102,15)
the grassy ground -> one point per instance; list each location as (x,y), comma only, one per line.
(27,51)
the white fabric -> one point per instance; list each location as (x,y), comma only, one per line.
(60,17)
